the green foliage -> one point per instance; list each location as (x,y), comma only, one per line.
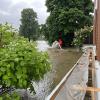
(7,34)
(29,24)
(44,31)
(67,16)
(13,96)
(81,34)
(21,63)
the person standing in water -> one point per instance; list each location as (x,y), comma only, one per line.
(56,44)
(60,42)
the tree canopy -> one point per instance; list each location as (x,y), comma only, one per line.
(66,17)
(29,24)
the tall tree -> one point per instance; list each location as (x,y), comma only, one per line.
(67,16)
(29,24)
(44,31)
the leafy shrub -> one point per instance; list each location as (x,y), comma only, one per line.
(21,63)
(81,34)
(7,34)
(13,96)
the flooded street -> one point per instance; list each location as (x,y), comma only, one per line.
(62,61)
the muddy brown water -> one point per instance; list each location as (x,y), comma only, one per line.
(62,61)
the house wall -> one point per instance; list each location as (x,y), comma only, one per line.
(96,34)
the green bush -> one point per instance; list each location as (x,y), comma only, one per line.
(7,34)
(20,63)
(81,34)
(13,96)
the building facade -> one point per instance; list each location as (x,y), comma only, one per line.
(96,33)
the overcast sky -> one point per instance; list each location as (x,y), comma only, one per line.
(10,10)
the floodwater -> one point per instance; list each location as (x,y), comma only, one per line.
(62,60)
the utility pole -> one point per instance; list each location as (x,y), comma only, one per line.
(96,34)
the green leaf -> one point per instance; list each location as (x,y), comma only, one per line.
(1,98)
(18,75)
(5,77)
(2,69)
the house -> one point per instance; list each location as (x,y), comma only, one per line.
(96,32)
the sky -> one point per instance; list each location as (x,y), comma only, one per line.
(10,10)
